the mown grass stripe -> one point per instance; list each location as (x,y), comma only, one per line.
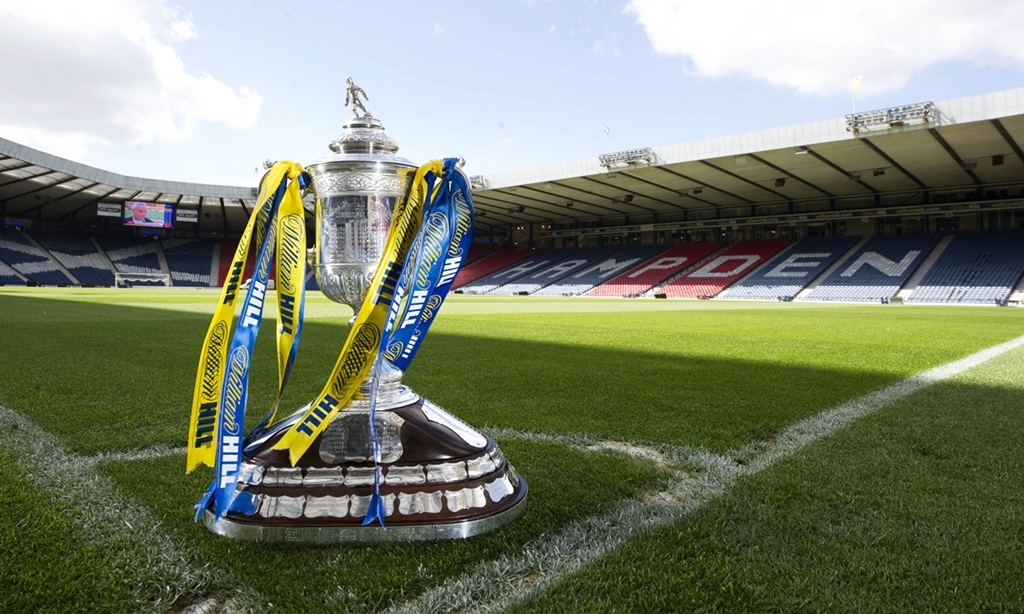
(495,585)
(129,532)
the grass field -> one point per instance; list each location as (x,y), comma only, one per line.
(681,456)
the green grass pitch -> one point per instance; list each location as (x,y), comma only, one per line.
(916,507)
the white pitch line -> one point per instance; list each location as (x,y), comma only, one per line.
(158,451)
(493,586)
(662,454)
(122,528)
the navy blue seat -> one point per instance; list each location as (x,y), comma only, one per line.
(790,272)
(522,268)
(585,278)
(79,255)
(19,253)
(976,267)
(190,262)
(877,271)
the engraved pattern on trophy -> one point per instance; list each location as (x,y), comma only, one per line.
(346,183)
(347,438)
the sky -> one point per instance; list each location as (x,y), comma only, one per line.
(206,91)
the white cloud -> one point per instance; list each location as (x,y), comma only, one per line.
(438,29)
(816,46)
(105,71)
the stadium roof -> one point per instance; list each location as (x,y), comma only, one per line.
(876,158)
(959,145)
(35,184)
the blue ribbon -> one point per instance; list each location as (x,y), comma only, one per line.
(446,231)
(453,206)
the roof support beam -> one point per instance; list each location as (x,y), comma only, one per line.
(497,213)
(20,179)
(576,200)
(952,154)
(630,204)
(656,185)
(497,203)
(39,189)
(704,185)
(589,204)
(820,158)
(1009,139)
(223,216)
(14,167)
(893,163)
(788,174)
(745,180)
(91,202)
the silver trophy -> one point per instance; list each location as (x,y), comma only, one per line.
(441,479)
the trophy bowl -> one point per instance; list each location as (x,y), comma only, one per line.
(438,477)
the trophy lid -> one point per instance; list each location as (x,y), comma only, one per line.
(363,135)
(362,138)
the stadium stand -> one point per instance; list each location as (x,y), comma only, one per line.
(8,277)
(485,266)
(580,259)
(575,284)
(525,266)
(189,262)
(975,268)
(133,256)
(227,253)
(648,274)
(877,271)
(725,268)
(78,254)
(790,271)
(19,253)
(476,252)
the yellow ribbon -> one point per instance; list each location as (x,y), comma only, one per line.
(202,436)
(363,343)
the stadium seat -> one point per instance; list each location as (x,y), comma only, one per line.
(78,254)
(976,267)
(189,261)
(791,271)
(20,254)
(543,280)
(876,271)
(580,281)
(535,261)
(488,264)
(133,256)
(725,268)
(653,271)
(8,276)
